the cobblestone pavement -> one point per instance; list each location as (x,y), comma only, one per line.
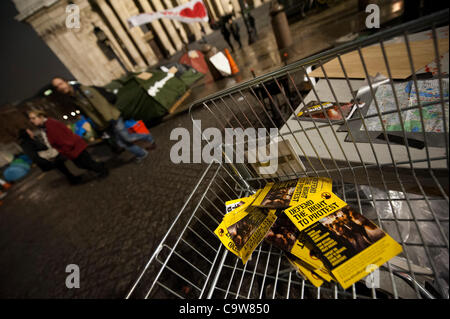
(108,227)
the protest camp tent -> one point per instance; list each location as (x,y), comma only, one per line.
(149,95)
(196,60)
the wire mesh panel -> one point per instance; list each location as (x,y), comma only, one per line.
(373,116)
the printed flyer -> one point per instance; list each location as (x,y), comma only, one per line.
(319,111)
(345,241)
(290,193)
(285,236)
(243,229)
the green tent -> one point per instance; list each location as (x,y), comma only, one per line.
(135,101)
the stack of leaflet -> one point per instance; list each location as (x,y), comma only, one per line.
(324,238)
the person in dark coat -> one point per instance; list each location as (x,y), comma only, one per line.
(98,104)
(40,154)
(235,31)
(66,142)
(226,33)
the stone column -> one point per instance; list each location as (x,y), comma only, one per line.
(212,12)
(169,25)
(55,20)
(219,6)
(47,31)
(79,60)
(236,7)
(206,27)
(115,45)
(115,23)
(178,25)
(73,44)
(70,63)
(257,3)
(76,48)
(226,6)
(90,18)
(95,56)
(126,9)
(117,70)
(103,66)
(159,30)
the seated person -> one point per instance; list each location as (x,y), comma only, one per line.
(45,156)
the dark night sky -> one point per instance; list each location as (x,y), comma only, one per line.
(27,63)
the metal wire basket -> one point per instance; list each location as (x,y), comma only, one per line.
(395,175)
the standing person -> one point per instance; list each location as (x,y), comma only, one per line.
(226,33)
(235,31)
(203,32)
(98,105)
(66,142)
(251,23)
(44,155)
(252,26)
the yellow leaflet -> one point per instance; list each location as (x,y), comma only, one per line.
(235,215)
(256,238)
(285,235)
(311,261)
(349,244)
(306,273)
(366,261)
(324,274)
(229,232)
(299,250)
(229,219)
(289,193)
(222,232)
(309,186)
(315,108)
(313,209)
(235,203)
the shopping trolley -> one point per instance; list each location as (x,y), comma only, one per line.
(394,173)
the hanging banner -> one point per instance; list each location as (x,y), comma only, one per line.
(192,11)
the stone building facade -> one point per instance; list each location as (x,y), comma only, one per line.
(104,47)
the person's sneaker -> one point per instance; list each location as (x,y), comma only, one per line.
(141,158)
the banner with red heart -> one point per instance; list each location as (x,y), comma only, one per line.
(192,11)
(199,11)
